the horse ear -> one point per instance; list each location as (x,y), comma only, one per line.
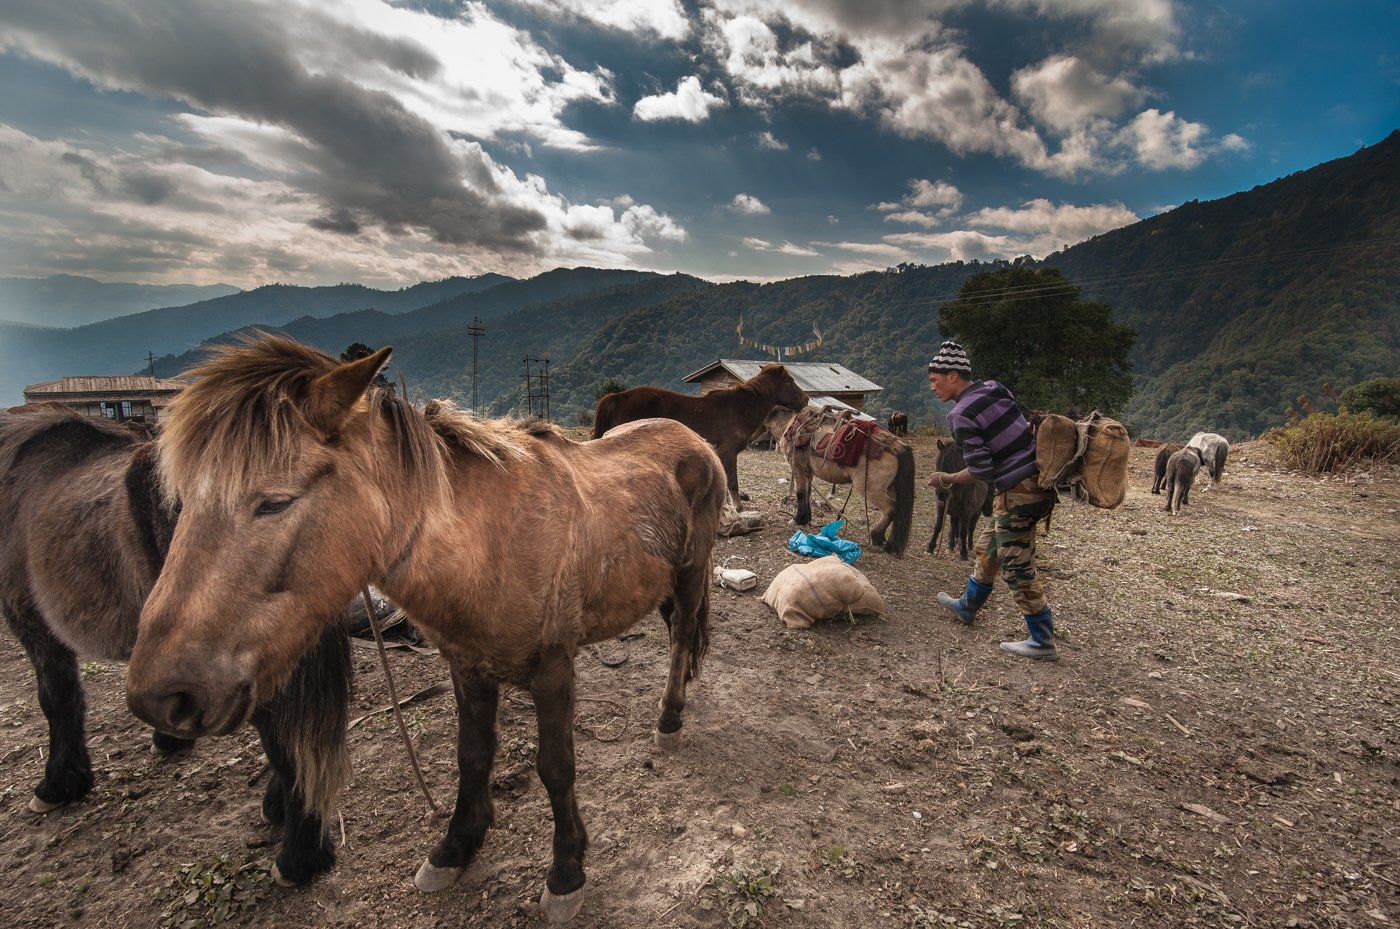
(334,395)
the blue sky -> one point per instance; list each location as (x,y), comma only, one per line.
(307,141)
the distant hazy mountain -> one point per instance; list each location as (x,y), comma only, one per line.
(120,346)
(65,301)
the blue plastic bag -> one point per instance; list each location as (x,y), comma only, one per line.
(825,542)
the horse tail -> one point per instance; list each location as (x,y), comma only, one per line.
(903,487)
(308,717)
(700,642)
(1221,452)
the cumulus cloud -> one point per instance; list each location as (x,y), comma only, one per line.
(1036,228)
(1164,140)
(689,102)
(897,62)
(1065,93)
(941,197)
(664,18)
(746,203)
(369,125)
(767,140)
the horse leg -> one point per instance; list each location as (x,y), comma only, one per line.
(477,699)
(68,771)
(552,686)
(731,478)
(688,621)
(802,490)
(940,511)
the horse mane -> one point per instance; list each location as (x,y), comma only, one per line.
(498,441)
(243,415)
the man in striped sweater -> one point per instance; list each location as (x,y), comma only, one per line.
(999,448)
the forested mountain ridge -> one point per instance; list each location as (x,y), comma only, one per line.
(1243,303)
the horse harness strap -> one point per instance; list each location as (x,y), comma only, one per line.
(393,691)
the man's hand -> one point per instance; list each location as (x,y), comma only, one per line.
(939,480)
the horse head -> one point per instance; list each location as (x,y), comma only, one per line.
(269,455)
(782,388)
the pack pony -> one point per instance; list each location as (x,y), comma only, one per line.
(1214,450)
(87,532)
(726,417)
(509,545)
(883,472)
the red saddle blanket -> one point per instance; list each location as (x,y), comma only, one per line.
(844,442)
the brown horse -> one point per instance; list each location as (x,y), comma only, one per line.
(883,473)
(86,531)
(727,418)
(509,545)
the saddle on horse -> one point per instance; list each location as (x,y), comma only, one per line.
(838,437)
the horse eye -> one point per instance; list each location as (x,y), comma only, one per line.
(274,505)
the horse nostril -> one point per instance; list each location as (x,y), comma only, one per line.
(181,707)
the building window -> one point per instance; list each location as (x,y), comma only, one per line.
(109,410)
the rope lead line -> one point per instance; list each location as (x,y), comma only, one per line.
(394,698)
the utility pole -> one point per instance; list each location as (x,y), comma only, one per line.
(151,362)
(476,329)
(537,391)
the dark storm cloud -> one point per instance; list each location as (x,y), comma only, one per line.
(366,153)
(340,221)
(89,169)
(147,187)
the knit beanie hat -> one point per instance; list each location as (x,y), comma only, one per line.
(951,357)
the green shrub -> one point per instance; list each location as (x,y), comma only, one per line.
(1380,396)
(1330,442)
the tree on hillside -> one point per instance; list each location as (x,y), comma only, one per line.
(611,385)
(1029,329)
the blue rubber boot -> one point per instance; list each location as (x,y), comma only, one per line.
(1041,644)
(971,601)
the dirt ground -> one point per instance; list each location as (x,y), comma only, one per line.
(1217,747)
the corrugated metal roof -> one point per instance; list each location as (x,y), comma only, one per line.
(102,384)
(814,377)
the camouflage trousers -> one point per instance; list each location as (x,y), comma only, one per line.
(1006,545)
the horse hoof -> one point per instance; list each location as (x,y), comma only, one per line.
(562,908)
(281,881)
(42,806)
(430,878)
(667,740)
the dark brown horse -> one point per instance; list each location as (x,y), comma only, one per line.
(961,504)
(727,418)
(509,545)
(899,423)
(883,471)
(86,532)
(1159,465)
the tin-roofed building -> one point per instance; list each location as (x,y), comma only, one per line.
(137,397)
(825,383)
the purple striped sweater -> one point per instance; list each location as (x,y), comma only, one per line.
(995,438)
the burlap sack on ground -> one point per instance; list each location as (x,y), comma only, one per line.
(821,589)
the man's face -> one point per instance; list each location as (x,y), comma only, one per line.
(945,384)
